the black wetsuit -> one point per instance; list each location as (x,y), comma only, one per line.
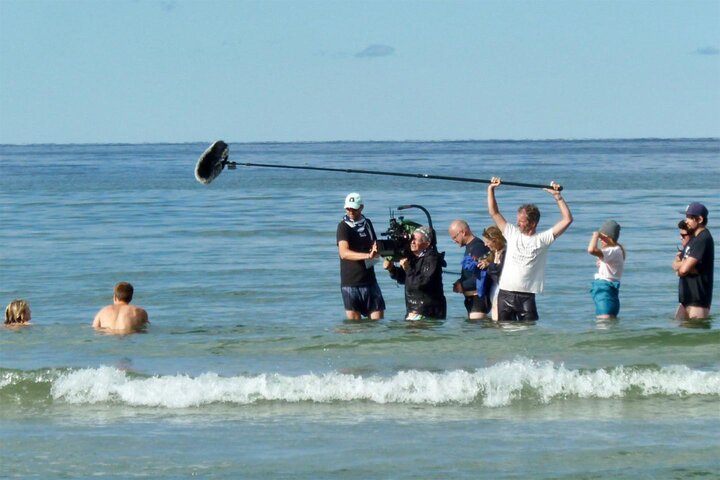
(423,284)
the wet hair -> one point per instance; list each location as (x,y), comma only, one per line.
(17,311)
(124,292)
(532,212)
(493,233)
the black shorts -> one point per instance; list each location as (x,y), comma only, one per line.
(364,299)
(516,306)
(477,304)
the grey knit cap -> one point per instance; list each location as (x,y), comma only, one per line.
(611,229)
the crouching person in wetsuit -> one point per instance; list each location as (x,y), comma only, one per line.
(421,273)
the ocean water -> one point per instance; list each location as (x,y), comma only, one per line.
(249,369)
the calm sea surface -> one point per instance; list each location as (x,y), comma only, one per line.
(249,369)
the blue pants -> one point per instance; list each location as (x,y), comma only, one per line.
(605,294)
(364,299)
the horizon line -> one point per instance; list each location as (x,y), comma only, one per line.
(280,142)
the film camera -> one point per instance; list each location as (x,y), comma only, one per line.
(399,235)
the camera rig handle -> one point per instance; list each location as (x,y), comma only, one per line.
(429,220)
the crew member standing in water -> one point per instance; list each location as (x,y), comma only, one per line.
(695,266)
(610,255)
(526,254)
(358,250)
(421,273)
(493,264)
(477,302)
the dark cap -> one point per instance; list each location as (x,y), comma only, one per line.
(696,210)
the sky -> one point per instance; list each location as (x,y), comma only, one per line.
(145,71)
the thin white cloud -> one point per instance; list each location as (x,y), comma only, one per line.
(376,51)
(707,51)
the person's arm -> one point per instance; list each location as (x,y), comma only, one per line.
(343,243)
(397,274)
(96,321)
(391,269)
(347,254)
(470,271)
(567,218)
(685,266)
(492,204)
(593,246)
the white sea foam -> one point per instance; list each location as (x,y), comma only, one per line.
(494,386)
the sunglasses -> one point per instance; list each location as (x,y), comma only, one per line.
(683,235)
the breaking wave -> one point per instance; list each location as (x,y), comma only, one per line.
(494,386)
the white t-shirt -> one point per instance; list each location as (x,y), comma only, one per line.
(525,259)
(610,268)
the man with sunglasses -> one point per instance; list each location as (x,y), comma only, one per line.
(477,303)
(358,250)
(695,265)
(684,236)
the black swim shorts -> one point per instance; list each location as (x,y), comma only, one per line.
(477,304)
(516,306)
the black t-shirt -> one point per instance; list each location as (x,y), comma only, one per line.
(696,288)
(354,273)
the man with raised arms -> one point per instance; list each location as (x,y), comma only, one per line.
(121,316)
(525,255)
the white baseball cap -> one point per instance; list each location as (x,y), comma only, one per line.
(354,201)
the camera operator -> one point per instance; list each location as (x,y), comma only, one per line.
(421,273)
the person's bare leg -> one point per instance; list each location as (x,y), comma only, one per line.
(697,313)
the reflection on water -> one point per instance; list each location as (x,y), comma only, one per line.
(701,323)
(606,323)
(515,326)
(423,324)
